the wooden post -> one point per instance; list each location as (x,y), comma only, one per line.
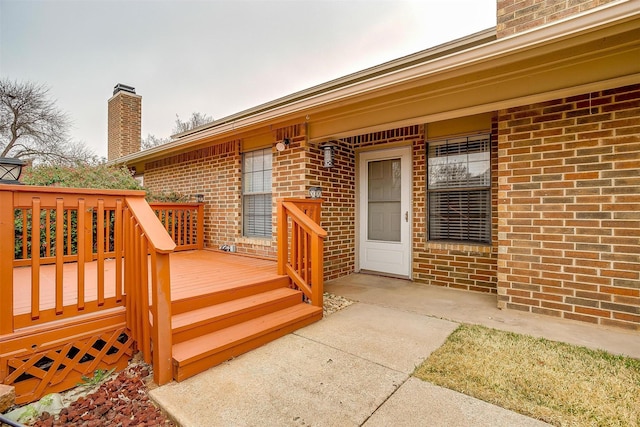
(59,254)
(87,234)
(100,230)
(35,258)
(283,238)
(117,246)
(7,240)
(317,270)
(162,341)
(200,226)
(80,233)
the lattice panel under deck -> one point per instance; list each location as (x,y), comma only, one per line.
(37,374)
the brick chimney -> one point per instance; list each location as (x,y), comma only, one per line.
(515,16)
(124,122)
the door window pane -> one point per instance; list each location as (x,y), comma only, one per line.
(384,202)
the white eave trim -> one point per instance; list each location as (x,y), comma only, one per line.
(600,17)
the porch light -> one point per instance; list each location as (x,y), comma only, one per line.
(315,192)
(10,170)
(284,144)
(328,149)
(199,198)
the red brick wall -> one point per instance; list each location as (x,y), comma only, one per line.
(338,208)
(124,124)
(214,172)
(461,266)
(570,208)
(514,16)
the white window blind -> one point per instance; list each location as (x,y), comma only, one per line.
(459,189)
(256,193)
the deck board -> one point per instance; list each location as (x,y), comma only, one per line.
(193,273)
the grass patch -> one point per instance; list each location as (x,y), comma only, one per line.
(558,383)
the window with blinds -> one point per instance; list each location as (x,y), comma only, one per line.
(459,189)
(256,193)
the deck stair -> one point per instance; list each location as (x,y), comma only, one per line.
(212,328)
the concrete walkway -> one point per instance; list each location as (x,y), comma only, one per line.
(353,368)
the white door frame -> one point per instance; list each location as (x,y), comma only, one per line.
(363,157)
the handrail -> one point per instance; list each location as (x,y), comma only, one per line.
(183,221)
(146,234)
(300,252)
(157,235)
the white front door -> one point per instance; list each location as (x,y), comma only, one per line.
(385,211)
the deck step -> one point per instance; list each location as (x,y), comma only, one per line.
(199,354)
(230,294)
(195,323)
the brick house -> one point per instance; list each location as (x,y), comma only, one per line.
(505,162)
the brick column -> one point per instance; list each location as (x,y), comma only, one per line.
(569,214)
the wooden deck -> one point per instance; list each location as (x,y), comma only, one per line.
(193,273)
(196,273)
(222,305)
(88,277)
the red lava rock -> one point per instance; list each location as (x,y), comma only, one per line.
(122,401)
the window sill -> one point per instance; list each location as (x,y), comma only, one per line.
(257,241)
(461,246)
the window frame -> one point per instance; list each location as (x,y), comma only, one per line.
(268,234)
(481,192)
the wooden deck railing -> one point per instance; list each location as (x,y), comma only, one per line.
(183,221)
(105,248)
(300,246)
(46,228)
(144,234)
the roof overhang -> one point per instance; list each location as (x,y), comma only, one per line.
(595,50)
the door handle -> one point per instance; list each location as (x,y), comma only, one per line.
(406,216)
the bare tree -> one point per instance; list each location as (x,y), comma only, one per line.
(32,126)
(447,173)
(152,141)
(196,119)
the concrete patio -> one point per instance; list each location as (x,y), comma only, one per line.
(354,367)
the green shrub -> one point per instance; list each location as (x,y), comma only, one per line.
(82,176)
(100,176)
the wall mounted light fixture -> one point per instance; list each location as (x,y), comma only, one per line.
(315,192)
(10,170)
(284,144)
(199,198)
(329,151)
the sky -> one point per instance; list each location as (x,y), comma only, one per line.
(211,56)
